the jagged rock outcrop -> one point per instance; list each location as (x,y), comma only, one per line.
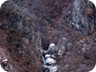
(34,31)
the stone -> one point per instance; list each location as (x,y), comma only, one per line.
(34,33)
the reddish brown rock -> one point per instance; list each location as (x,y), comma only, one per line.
(29,26)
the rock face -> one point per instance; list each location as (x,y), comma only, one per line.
(48,35)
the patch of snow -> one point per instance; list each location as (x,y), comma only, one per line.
(5,60)
(52,45)
(64,38)
(76,25)
(53,68)
(53,56)
(50,61)
(47,55)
